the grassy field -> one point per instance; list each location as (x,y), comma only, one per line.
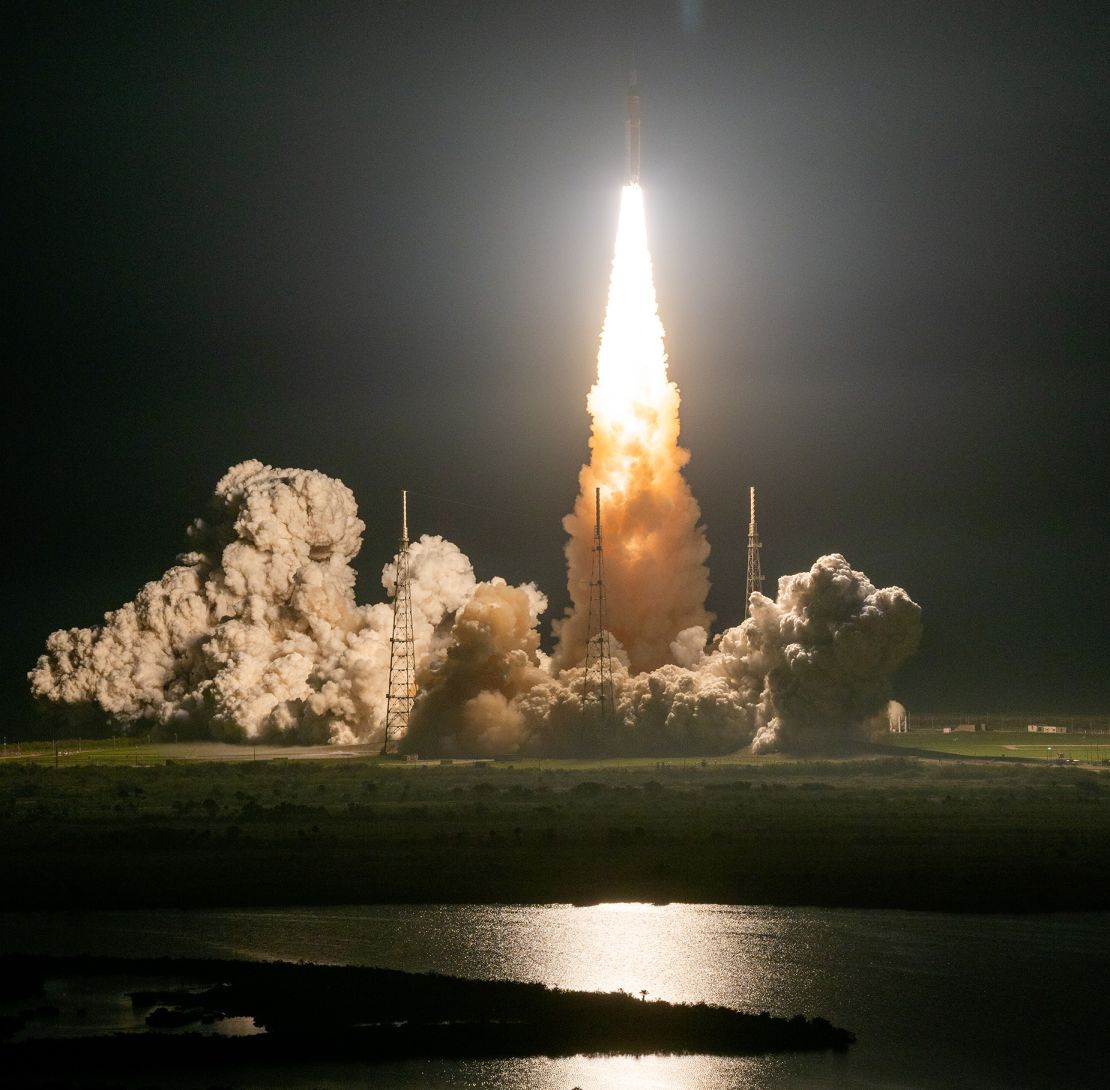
(1085,748)
(71,752)
(102,830)
(1093,748)
(74,752)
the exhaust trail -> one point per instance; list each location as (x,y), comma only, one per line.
(655,547)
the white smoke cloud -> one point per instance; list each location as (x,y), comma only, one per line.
(442,579)
(802,674)
(822,654)
(688,647)
(256,632)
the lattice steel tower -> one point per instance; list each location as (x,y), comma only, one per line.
(597,681)
(755,569)
(402,647)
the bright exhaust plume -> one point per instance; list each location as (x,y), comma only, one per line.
(655,548)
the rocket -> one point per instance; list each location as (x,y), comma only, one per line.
(632,131)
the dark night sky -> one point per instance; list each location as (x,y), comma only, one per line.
(374,239)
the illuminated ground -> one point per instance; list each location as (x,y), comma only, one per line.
(870,832)
(73,752)
(1085,748)
(1050,747)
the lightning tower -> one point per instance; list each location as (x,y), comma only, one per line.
(597,681)
(755,569)
(402,648)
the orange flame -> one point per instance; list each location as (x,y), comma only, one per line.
(656,580)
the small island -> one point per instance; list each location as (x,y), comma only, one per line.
(303,1014)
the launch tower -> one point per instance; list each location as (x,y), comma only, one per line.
(402,648)
(597,681)
(755,569)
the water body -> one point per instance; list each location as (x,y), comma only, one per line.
(936,1000)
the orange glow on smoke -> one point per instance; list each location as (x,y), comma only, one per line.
(655,551)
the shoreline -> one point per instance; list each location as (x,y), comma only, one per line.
(310,1013)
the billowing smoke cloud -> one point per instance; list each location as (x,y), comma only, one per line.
(803,674)
(467,703)
(655,548)
(823,655)
(255,633)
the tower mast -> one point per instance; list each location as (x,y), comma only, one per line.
(755,569)
(402,648)
(597,681)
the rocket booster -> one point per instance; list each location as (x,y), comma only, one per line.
(633,131)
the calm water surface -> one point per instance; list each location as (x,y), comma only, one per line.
(936,1000)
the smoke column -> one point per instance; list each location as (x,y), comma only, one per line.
(255,632)
(816,663)
(655,550)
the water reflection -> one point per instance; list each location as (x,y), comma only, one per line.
(585,1073)
(931,996)
(86,1006)
(641,1073)
(675,952)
